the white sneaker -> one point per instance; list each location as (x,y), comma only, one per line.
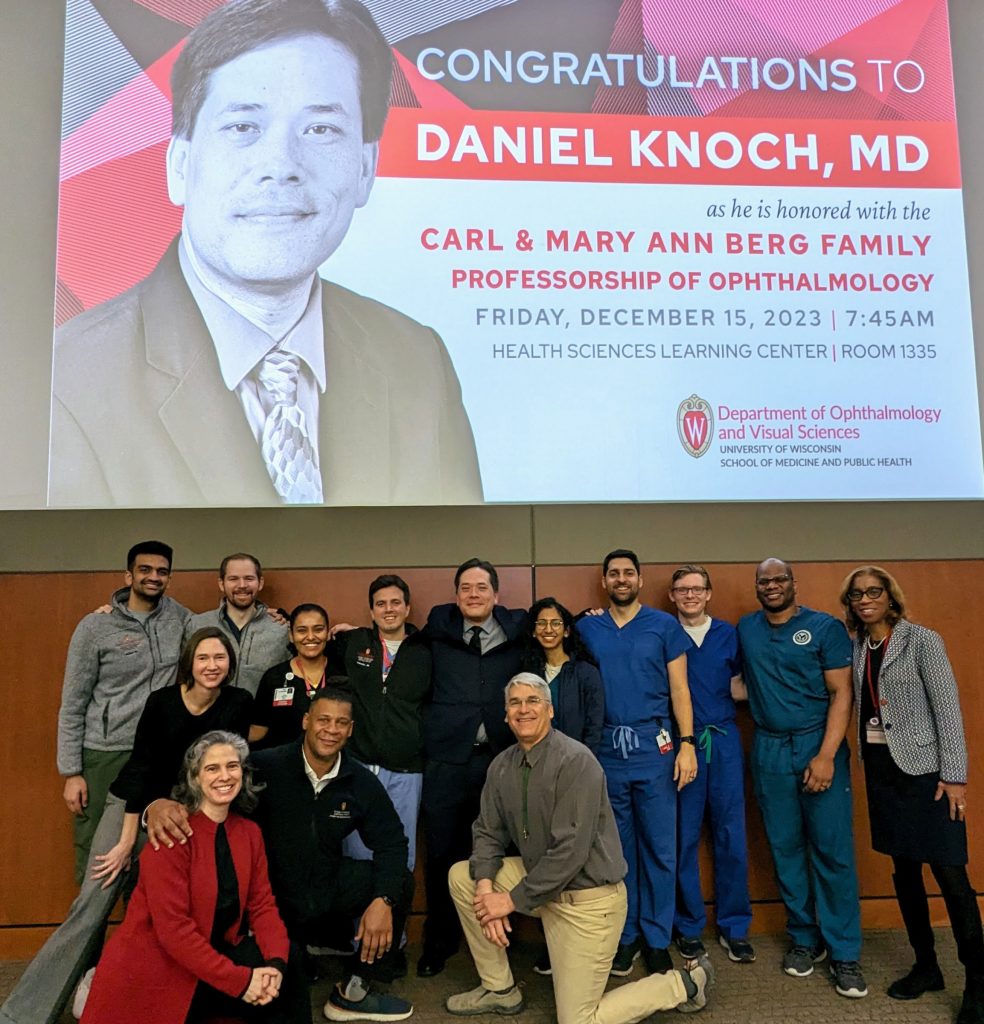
(82,993)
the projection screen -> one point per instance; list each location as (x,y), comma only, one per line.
(603,250)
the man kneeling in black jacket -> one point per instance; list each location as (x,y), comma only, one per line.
(314,798)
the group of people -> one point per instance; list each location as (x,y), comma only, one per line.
(596,747)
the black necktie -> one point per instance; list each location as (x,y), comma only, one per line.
(476,639)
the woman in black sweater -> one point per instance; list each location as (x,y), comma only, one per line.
(173,718)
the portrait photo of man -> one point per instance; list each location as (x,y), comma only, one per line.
(233,374)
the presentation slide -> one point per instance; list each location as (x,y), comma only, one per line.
(600,250)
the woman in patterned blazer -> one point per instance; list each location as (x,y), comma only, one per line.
(911,740)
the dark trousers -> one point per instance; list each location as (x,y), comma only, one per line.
(450,805)
(961,905)
(292,1006)
(353,892)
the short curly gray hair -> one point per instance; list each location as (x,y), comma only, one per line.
(188,790)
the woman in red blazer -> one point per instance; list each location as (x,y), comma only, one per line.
(183,952)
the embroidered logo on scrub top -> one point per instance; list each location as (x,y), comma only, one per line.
(802,637)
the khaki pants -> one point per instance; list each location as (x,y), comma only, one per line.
(582,930)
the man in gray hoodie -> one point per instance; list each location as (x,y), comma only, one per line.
(114,662)
(260,640)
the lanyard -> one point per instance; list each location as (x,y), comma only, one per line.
(872,690)
(388,659)
(308,688)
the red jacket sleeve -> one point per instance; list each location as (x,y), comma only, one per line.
(167,879)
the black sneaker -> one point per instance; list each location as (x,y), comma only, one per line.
(799,960)
(657,961)
(625,956)
(848,979)
(920,979)
(690,949)
(740,951)
(542,965)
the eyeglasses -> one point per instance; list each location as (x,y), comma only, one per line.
(524,702)
(549,624)
(766,581)
(873,593)
(684,591)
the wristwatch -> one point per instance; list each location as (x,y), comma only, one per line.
(689,739)
(387,901)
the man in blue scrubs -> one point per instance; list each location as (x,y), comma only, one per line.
(713,667)
(642,654)
(797,669)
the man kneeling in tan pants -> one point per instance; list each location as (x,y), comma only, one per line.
(547,795)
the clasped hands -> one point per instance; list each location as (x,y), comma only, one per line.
(492,910)
(264,986)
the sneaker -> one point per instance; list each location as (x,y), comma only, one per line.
(82,993)
(690,949)
(799,960)
(848,979)
(542,965)
(657,961)
(373,1005)
(481,1000)
(918,980)
(625,956)
(740,951)
(703,977)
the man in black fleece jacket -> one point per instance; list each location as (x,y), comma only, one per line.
(313,798)
(388,666)
(476,648)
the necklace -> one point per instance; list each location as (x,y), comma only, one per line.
(874,647)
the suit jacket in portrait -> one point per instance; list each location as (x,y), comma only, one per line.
(141,416)
(921,702)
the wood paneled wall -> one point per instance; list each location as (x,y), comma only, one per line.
(39,612)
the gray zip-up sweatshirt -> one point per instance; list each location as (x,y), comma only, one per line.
(262,643)
(114,663)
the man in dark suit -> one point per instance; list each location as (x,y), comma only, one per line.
(233,374)
(476,648)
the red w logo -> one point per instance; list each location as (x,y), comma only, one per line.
(695,427)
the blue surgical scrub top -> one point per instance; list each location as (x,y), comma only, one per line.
(709,671)
(633,663)
(784,667)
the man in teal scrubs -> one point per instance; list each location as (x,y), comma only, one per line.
(798,672)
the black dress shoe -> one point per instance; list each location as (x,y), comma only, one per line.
(431,962)
(972,1007)
(918,980)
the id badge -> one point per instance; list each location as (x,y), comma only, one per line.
(875,733)
(664,741)
(283,697)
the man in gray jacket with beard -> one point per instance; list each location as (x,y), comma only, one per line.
(259,639)
(114,662)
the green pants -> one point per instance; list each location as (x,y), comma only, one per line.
(99,769)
